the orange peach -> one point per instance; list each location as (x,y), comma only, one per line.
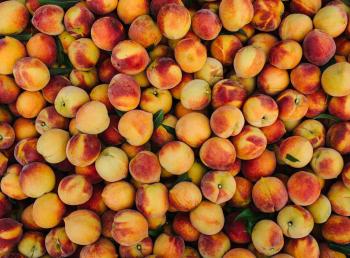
(321,209)
(58,244)
(141,249)
(243,193)
(15,17)
(327,163)
(102,248)
(78,20)
(337,195)
(227,121)
(263,40)
(155,99)
(118,195)
(10,185)
(337,137)
(274,132)
(10,234)
(228,92)
(127,11)
(287,28)
(95,203)
(306,78)
(206,24)
(292,105)
(303,247)
(196,95)
(213,246)
(145,167)
(102,7)
(184,196)
(239,252)
(9,90)
(243,9)
(24,128)
(48,19)
(39,41)
(336,229)
(317,103)
(132,150)
(211,72)
(152,200)
(29,104)
(286,54)
(224,48)
(83,54)
(3,163)
(5,115)
(336,74)
(312,130)
(308,7)
(262,166)
(272,80)
(7,136)
(11,50)
(162,135)
(84,79)
(74,190)
(100,93)
(249,61)
(145,31)
(168,246)
(25,151)
(267,14)
(182,226)
(32,244)
(345,176)
(338,106)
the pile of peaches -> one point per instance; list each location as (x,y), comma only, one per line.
(175,128)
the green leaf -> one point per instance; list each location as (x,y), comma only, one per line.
(292,158)
(327,116)
(156,232)
(62,3)
(119,112)
(169,129)
(22,36)
(183,178)
(246,214)
(158,118)
(242,32)
(250,218)
(345,249)
(60,71)
(60,52)
(346,2)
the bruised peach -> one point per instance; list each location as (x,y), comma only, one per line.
(318,47)
(337,137)
(267,14)
(190,54)
(308,7)
(239,252)
(184,196)
(36,44)
(7,136)
(32,244)
(145,167)
(164,73)
(312,130)
(55,84)
(25,151)
(249,61)
(48,19)
(168,246)
(206,24)
(145,31)
(336,74)
(272,80)
(78,21)
(302,247)
(332,26)
(286,54)
(106,32)
(327,163)
(306,78)
(196,95)
(102,7)
(243,9)
(213,246)
(224,48)
(263,40)
(336,229)
(102,248)
(182,226)
(227,121)
(83,54)
(317,103)
(228,92)
(58,244)
(15,17)
(292,105)
(337,195)
(11,50)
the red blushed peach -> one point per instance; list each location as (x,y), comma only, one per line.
(239,252)
(132,150)
(306,78)
(106,32)
(286,54)
(274,132)
(339,106)
(312,130)
(83,54)
(196,95)
(29,104)
(224,48)
(303,247)
(262,166)
(128,11)
(3,163)
(176,91)
(32,244)
(145,31)
(15,17)
(184,196)
(89,172)
(118,195)
(250,143)
(308,7)
(129,227)
(345,176)
(333,27)
(164,73)
(336,74)
(337,195)
(24,128)
(211,72)
(269,194)
(317,103)
(55,84)
(7,136)
(336,229)
(156,5)
(111,136)
(36,179)
(263,40)
(83,227)
(217,153)
(303,188)
(11,50)
(249,61)
(25,151)
(228,92)
(102,7)
(48,118)
(129,57)
(5,115)
(207,218)
(292,105)
(100,93)
(27,218)
(145,167)
(5,205)
(243,193)
(342,46)
(267,14)
(327,163)
(106,71)
(337,137)
(9,91)
(58,244)
(74,190)
(190,54)
(168,246)
(182,226)
(154,99)
(236,229)
(107,221)
(83,149)
(213,246)
(95,203)
(37,43)
(48,19)
(287,29)
(326,252)
(231,22)
(10,185)
(141,249)
(318,47)
(206,24)
(10,234)
(84,79)
(78,21)
(273,80)
(102,248)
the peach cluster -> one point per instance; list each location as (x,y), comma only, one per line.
(174,128)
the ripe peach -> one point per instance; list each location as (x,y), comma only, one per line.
(119,195)
(243,193)
(236,229)
(303,188)
(100,93)
(145,31)
(161,135)
(145,167)
(15,17)
(128,11)
(224,48)
(132,150)
(102,7)
(58,244)
(190,252)
(83,54)
(106,32)
(336,74)
(321,209)
(338,106)
(267,14)
(250,143)
(206,24)
(48,119)
(228,92)
(287,29)
(317,103)
(274,132)
(249,61)
(83,227)
(263,40)
(213,246)
(48,19)
(286,54)
(109,172)
(10,185)
(7,136)
(39,41)
(24,128)
(262,166)
(74,190)
(141,249)
(211,72)
(272,80)
(227,121)
(335,26)
(32,244)
(207,218)
(327,163)
(306,78)
(78,20)
(102,248)
(89,172)
(168,246)
(336,229)
(156,5)
(303,247)
(319,47)
(129,227)
(196,95)
(239,252)
(292,105)
(52,145)
(84,79)
(184,196)
(29,104)
(154,99)
(337,195)
(83,149)
(152,200)
(243,9)
(9,90)
(55,84)
(106,71)
(308,7)
(337,137)
(312,130)
(25,151)
(267,237)
(11,51)
(5,115)
(182,226)
(164,73)
(95,203)
(129,57)
(5,205)
(10,234)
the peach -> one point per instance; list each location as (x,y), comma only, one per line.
(102,7)
(243,9)
(66,39)
(326,252)
(321,209)
(141,249)
(107,221)
(10,185)
(5,115)
(308,7)
(249,61)
(36,179)
(78,21)
(267,237)
(141,79)
(5,205)
(327,163)
(224,48)
(89,172)
(269,194)
(15,17)
(74,190)
(118,195)
(227,121)
(262,166)
(52,145)
(160,51)
(337,195)
(182,226)
(250,143)
(130,57)
(154,99)
(83,54)
(335,26)
(145,167)
(11,50)
(83,227)
(48,19)
(164,73)
(228,92)
(208,218)
(128,11)
(345,176)
(196,95)
(55,84)
(3,163)
(213,246)
(39,41)
(156,5)
(7,136)
(184,196)
(206,24)
(10,234)
(106,32)
(336,229)
(317,103)
(25,151)
(239,252)
(263,40)
(303,247)
(318,47)
(58,244)
(155,223)
(285,54)
(236,229)
(32,244)
(95,203)
(84,79)
(338,106)
(243,193)
(168,246)
(132,150)
(287,29)
(112,164)
(336,74)
(24,128)
(129,227)
(102,248)
(9,90)
(48,119)
(303,188)
(152,200)
(106,71)
(306,78)
(272,80)
(267,14)
(337,137)
(292,105)
(211,72)
(312,130)
(145,31)
(29,104)
(100,93)
(274,132)
(83,149)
